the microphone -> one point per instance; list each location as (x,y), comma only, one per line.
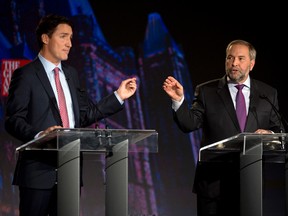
(107,134)
(277,112)
(281,119)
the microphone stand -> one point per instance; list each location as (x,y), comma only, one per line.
(109,145)
(281,119)
(106,134)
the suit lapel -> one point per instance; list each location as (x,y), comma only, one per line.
(225,96)
(252,120)
(40,72)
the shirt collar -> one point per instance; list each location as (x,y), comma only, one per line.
(247,82)
(48,66)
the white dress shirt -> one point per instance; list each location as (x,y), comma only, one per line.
(49,68)
(233,92)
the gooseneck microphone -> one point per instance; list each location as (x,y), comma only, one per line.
(281,119)
(278,113)
(104,137)
(107,134)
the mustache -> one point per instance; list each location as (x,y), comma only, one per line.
(240,76)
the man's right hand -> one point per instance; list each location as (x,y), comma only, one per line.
(48,130)
(173,88)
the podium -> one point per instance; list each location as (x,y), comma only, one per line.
(114,143)
(255,150)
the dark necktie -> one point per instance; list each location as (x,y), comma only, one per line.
(240,107)
(61,100)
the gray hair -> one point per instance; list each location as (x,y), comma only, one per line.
(252,50)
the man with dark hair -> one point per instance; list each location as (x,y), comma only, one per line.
(45,95)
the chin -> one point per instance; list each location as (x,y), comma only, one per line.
(64,58)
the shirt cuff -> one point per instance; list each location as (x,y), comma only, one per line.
(177,104)
(118,97)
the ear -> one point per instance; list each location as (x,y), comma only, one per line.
(45,38)
(252,63)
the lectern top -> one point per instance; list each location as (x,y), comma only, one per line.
(101,140)
(246,143)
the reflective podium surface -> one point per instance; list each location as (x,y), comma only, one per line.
(100,140)
(115,143)
(262,170)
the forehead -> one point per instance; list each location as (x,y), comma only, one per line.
(63,29)
(238,50)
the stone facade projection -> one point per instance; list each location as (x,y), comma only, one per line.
(104,69)
(160,56)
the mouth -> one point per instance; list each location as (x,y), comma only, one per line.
(234,70)
(66,51)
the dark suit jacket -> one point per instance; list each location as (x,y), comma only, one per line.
(32,107)
(214,112)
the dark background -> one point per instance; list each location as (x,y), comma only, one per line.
(204,29)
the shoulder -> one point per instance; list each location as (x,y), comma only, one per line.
(212,84)
(68,69)
(209,88)
(264,89)
(28,69)
(71,74)
(262,86)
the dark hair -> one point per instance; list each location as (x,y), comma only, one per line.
(48,24)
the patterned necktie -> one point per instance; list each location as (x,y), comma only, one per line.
(240,107)
(61,100)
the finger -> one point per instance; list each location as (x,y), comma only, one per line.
(172,79)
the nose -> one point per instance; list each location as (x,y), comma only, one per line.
(69,43)
(235,62)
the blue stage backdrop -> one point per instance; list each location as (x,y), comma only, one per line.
(159,183)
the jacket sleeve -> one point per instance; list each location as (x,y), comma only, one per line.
(92,111)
